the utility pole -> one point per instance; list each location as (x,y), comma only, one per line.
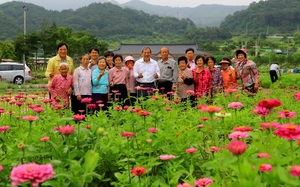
(24,60)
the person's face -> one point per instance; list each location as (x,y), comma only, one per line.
(85,60)
(130,64)
(164,52)
(63,70)
(210,63)
(118,62)
(109,60)
(241,57)
(146,54)
(182,65)
(225,66)
(200,62)
(190,55)
(102,64)
(94,54)
(62,51)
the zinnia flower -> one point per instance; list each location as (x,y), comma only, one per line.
(214,149)
(237,147)
(143,113)
(184,185)
(288,131)
(30,118)
(261,111)
(270,125)
(31,172)
(286,114)
(4,128)
(263,155)
(211,109)
(235,105)
(138,171)
(38,109)
(78,117)
(295,171)
(153,130)
(265,167)
(203,182)
(66,130)
(128,134)
(166,157)
(191,150)
(242,128)
(238,135)
(270,103)
(86,100)
(297,96)
(44,139)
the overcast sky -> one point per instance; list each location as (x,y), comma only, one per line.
(172,3)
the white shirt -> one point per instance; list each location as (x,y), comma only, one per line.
(148,69)
(192,65)
(274,67)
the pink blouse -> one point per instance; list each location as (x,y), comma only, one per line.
(202,82)
(59,87)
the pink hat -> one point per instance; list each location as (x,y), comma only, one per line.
(129,58)
(243,51)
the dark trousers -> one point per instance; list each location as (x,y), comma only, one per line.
(146,88)
(164,86)
(98,98)
(131,101)
(76,105)
(121,94)
(273,76)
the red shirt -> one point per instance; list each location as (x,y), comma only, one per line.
(202,82)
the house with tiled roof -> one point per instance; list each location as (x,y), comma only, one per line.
(175,50)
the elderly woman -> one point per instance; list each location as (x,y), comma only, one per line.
(247,71)
(216,75)
(202,77)
(228,73)
(60,87)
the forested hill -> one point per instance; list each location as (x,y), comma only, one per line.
(106,21)
(265,17)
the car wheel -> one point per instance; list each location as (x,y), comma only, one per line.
(18,80)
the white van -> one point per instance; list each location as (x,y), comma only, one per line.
(13,72)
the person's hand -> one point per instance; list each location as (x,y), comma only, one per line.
(51,75)
(111,83)
(78,97)
(140,75)
(69,91)
(155,75)
(182,76)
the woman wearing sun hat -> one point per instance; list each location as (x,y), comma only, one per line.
(228,74)
(129,63)
(247,71)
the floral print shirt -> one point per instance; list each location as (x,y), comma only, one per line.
(247,71)
(202,82)
(182,87)
(82,81)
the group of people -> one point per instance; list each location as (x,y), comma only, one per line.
(100,79)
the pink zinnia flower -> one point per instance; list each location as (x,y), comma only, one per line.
(91,106)
(288,131)
(78,117)
(242,128)
(184,185)
(237,147)
(190,92)
(153,130)
(31,172)
(265,167)
(47,101)
(86,100)
(203,182)
(297,96)
(128,134)
(168,109)
(263,155)
(38,109)
(270,125)
(166,157)
(261,111)
(191,150)
(200,126)
(204,119)
(214,149)
(286,114)
(44,139)
(295,171)
(235,105)
(30,118)
(4,128)
(230,90)
(66,130)
(1,167)
(118,108)
(238,135)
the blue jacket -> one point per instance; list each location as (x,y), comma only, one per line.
(99,86)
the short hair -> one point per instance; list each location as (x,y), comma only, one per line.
(100,58)
(60,45)
(210,58)
(108,53)
(95,49)
(198,57)
(63,64)
(146,47)
(189,49)
(182,58)
(164,48)
(83,56)
(117,56)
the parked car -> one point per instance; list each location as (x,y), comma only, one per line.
(14,72)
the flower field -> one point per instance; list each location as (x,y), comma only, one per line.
(237,141)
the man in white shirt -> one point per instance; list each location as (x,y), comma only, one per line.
(146,71)
(274,68)
(189,54)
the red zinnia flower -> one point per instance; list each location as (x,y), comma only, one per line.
(242,128)
(288,131)
(237,147)
(128,134)
(44,139)
(191,150)
(143,113)
(270,103)
(78,117)
(4,128)
(263,155)
(211,109)
(138,171)
(86,100)
(66,130)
